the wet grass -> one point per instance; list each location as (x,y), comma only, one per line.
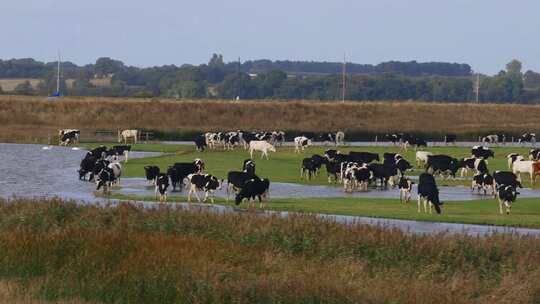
(58,250)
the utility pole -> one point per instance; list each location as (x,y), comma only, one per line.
(477,87)
(343,79)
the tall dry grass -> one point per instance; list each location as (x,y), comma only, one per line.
(134,255)
(24,118)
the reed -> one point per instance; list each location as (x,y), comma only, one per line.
(34,118)
(127,254)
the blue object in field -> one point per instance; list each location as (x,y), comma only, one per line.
(56,94)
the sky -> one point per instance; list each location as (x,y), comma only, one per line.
(483,33)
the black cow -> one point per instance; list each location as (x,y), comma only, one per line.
(442,163)
(254,188)
(203,182)
(450,139)
(482,152)
(236,181)
(527,138)
(179,171)
(152,173)
(428,193)
(507,195)
(506,178)
(480,165)
(162,183)
(99,152)
(200,143)
(483,181)
(416,142)
(383,173)
(87,166)
(363,157)
(116,151)
(333,169)
(394,138)
(391,157)
(308,168)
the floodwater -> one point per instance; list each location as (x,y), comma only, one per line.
(42,171)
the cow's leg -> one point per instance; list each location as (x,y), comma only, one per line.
(500,206)
(419,203)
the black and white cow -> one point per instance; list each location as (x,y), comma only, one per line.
(356,177)
(200,143)
(403,165)
(69,136)
(98,152)
(467,165)
(405,189)
(108,176)
(415,142)
(534,154)
(506,195)
(179,171)
(442,164)
(300,143)
(450,139)
(482,152)
(390,158)
(278,138)
(428,193)
(483,182)
(249,166)
(308,168)
(395,138)
(114,153)
(494,139)
(254,188)
(527,138)
(386,174)
(506,178)
(236,181)
(203,182)
(162,184)
(512,157)
(151,173)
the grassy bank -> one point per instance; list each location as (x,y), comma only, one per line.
(30,119)
(130,255)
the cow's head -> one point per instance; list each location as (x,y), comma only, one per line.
(271,148)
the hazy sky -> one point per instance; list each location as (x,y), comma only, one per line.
(484,33)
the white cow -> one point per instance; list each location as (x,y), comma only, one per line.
(340,138)
(125,134)
(421,157)
(300,143)
(260,145)
(526,166)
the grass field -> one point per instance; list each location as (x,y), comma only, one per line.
(29,119)
(60,251)
(284,166)
(9,85)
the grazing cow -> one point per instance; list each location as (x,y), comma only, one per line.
(405,189)
(98,152)
(127,134)
(179,171)
(236,181)
(300,143)
(363,157)
(450,139)
(386,174)
(428,193)
(526,166)
(527,138)
(482,152)
(109,175)
(494,139)
(534,154)
(162,183)
(442,164)
(200,143)
(422,158)
(152,173)
(203,182)
(98,166)
(68,136)
(506,195)
(484,182)
(260,145)
(340,138)
(512,157)
(249,166)
(506,178)
(254,188)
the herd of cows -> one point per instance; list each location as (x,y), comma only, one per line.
(355,170)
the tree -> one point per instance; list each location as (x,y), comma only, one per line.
(514,67)
(216,61)
(24,88)
(105,66)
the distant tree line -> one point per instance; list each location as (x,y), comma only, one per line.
(264,79)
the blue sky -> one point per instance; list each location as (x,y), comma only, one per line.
(484,33)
